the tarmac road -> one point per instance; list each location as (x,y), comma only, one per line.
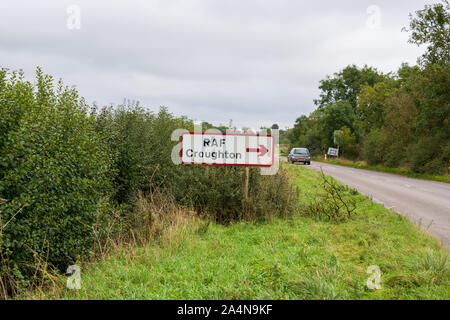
(424,202)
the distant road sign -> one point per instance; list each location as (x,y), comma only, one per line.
(333,152)
(227,149)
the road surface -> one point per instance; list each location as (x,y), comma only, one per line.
(424,202)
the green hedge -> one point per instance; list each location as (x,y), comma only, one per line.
(53,172)
(64,169)
(142,146)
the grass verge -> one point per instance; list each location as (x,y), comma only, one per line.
(297,258)
(403,172)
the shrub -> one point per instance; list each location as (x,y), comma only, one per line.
(59,165)
(272,196)
(218,193)
(142,147)
(347,143)
(53,170)
(372,152)
(334,203)
(428,155)
(126,135)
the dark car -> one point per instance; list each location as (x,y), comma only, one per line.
(299,155)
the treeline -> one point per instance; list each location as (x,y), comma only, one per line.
(399,119)
(72,176)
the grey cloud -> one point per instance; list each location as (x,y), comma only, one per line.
(255,61)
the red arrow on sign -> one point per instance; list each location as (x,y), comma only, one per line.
(262,149)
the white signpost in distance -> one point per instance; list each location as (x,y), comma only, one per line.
(230,149)
(333,152)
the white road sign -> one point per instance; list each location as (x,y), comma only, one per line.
(227,149)
(333,152)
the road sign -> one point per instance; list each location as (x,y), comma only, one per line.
(333,152)
(227,149)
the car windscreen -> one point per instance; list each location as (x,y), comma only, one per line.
(300,151)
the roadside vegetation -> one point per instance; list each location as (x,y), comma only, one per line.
(399,119)
(404,172)
(303,257)
(72,178)
(96,186)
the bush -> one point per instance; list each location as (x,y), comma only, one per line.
(218,193)
(142,147)
(335,204)
(53,170)
(347,142)
(60,165)
(428,155)
(372,151)
(272,196)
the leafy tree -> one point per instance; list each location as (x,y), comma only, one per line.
(399,129)
(432,97)
(305,134)
(346,142)
(431,26)
(389,115)
(371,101)
(299,128)
(406,77)
(283,137)
(334,117)
(372,150)
(346,85)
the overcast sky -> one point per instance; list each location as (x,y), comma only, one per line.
(257,62)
